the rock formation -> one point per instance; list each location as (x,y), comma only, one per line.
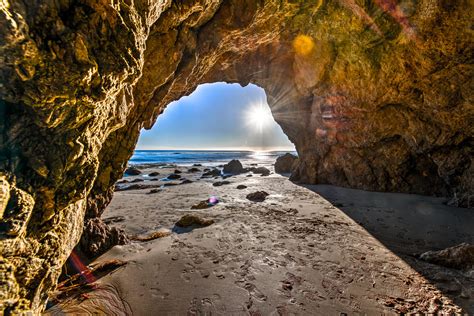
(285,163)
(374,94)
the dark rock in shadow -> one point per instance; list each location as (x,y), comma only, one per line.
(192,170)
(132,171)
(98,237)
(458,257)
(137,180)
(261,170)
(241,187)
(174,176)
(286,163)
(258,196)
(186,181)
(212,173)
(233,167)
(220,183)
(154,174)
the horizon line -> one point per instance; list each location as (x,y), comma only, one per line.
(220,149)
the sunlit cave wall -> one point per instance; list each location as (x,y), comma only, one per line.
(374,94)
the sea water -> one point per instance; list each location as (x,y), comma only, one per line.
(205,157)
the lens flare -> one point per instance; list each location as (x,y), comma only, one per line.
(303,45)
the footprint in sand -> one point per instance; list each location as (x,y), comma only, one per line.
(254,292)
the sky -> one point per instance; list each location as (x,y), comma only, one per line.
(217,116)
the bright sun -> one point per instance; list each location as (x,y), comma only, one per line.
(259,116)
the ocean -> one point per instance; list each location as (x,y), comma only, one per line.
(205,157)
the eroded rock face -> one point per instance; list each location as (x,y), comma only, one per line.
(374,94)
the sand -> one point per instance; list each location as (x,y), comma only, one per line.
(296,253)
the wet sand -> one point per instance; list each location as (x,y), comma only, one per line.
(296,253)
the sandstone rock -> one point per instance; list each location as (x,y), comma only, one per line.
(132,171)
(258,196)
(457,257)
(285,163)
(99,237)
(380,100)
(233,167)
(189,220)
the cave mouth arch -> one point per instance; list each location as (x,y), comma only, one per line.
(217,116)
(392,111)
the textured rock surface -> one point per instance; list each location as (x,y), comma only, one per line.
(285,163)
(374,94)
(457,257)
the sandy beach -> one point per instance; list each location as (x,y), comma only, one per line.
(304,250)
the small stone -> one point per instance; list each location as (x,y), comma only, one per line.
(220,183)
(154,174)
(241,187)
(193,220)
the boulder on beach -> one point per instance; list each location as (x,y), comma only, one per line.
(261,170)
(212,173)
(285,163)
(193,169)
(177,171)
(220,183)
(186,181)
(154,174)
(258,196)
(137,180)
(173,176)
(233,167)
(132,171)
(189,220)
(457,257)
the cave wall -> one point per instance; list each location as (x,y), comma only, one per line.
(375,94)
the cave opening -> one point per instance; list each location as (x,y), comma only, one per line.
(217,117)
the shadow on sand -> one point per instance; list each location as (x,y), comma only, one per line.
(409,225)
